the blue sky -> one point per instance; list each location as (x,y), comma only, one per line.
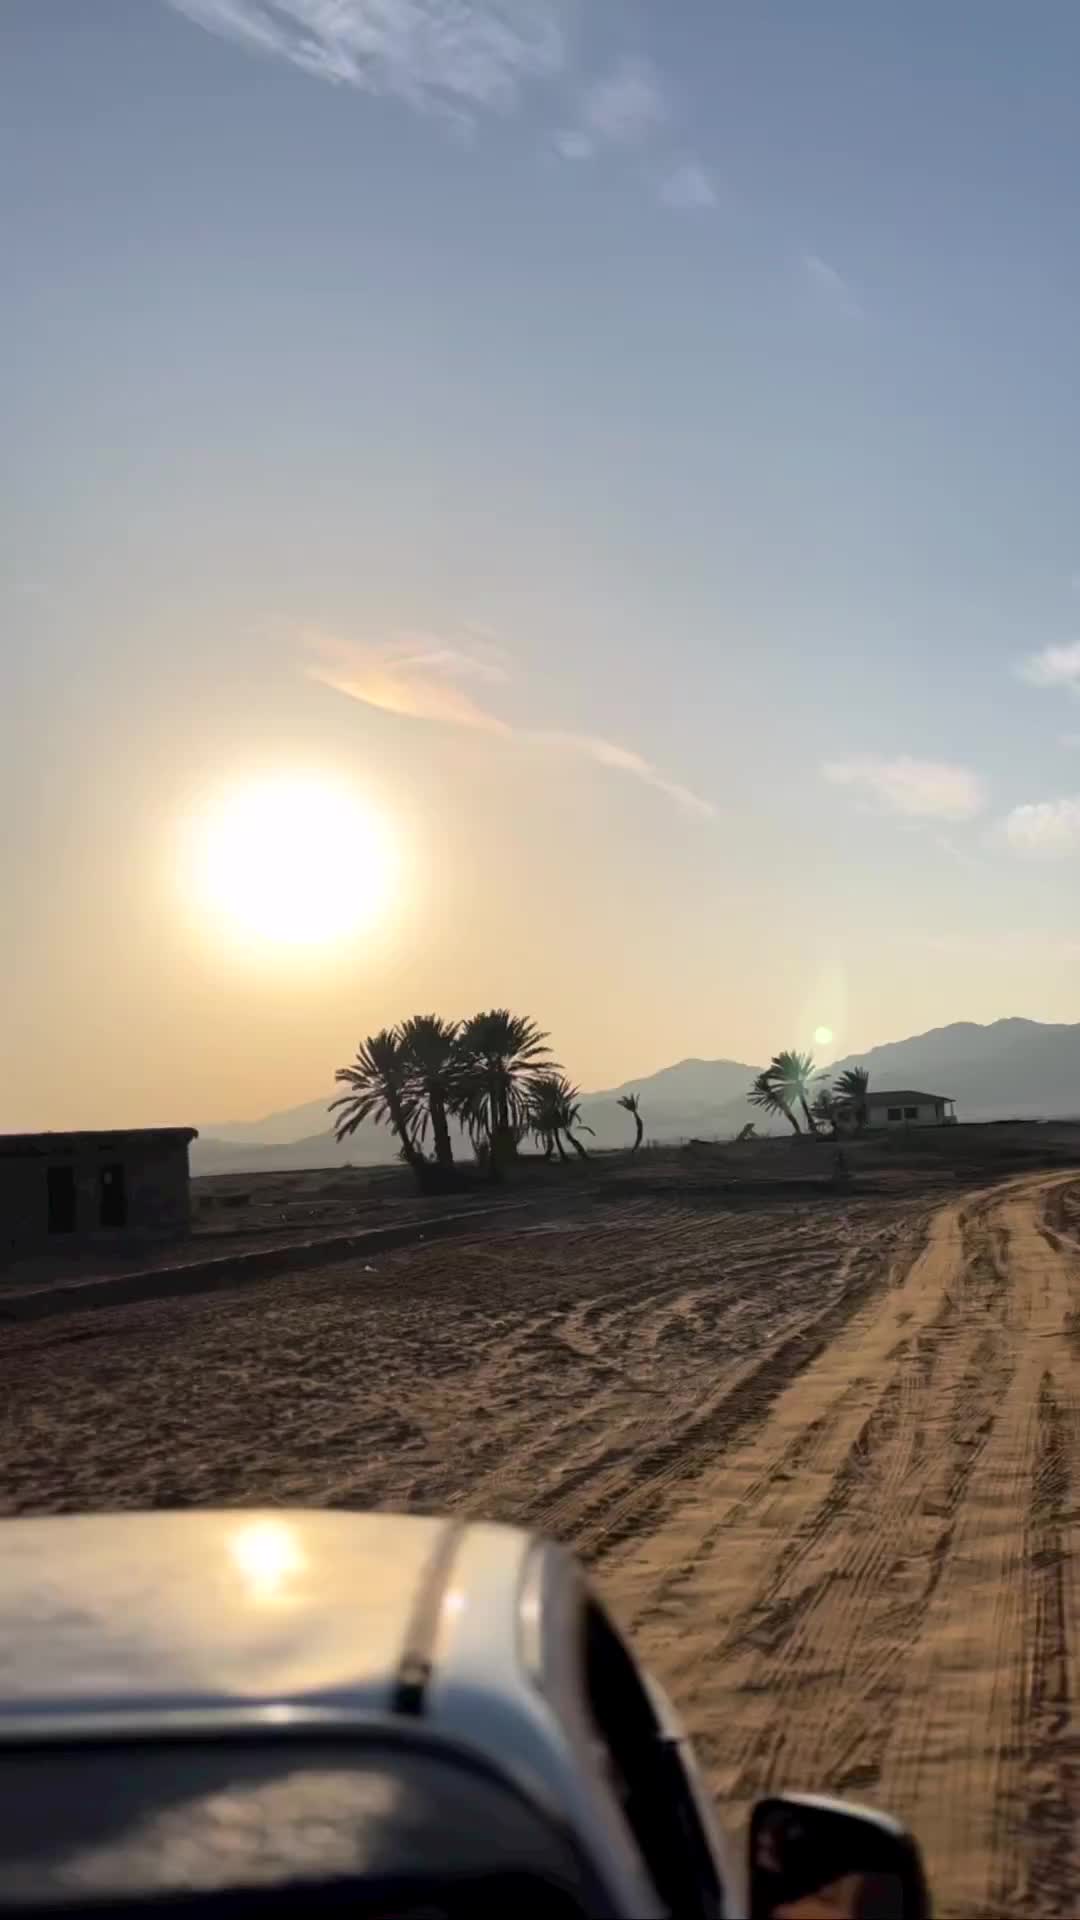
(638,443)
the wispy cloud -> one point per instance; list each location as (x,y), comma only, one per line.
(1053,667)
(830,287)
(914,789)
(626,105)
(624,108)
(1045,829)
(687,188)
(624,760)
(416,675)
(573,144)
(457,56)
(422,678)
(461,59)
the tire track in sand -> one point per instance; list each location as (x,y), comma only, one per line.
(600,1510)
(983,1752)
(873,1592)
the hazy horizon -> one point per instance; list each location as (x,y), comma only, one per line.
(561,506)
(826,1057)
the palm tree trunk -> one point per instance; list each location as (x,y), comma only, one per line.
(503,1143)
(401,1127)
(444,1152)
(557,1136)
(810,1121)
(576,1144)
(640,1134)
(788,1115)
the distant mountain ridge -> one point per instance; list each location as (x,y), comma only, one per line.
(1012,1068)
(276,1129)
(681,1099)
(687,1080)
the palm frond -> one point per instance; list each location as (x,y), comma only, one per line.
(429,1048)
(499,1054)
(763,1093)
(378,1079)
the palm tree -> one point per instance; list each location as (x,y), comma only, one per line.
(500,1054)
(828,1111)
(380,1089)
(556,1109)
(851,1088)
(570,1111)
(793,1075)
(429,1046)
(630,1103)
(765,1093)
(546,1117)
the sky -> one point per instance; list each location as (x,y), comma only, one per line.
(623,457)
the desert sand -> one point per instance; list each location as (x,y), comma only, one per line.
(820,1452)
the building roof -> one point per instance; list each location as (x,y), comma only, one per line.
(902,1096)
(14,1146)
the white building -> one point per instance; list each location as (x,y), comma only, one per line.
(901,1107)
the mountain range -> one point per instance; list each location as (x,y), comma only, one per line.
(1022,1069)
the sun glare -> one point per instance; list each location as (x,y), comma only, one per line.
(823,1036)
(265,1553)
(292,860)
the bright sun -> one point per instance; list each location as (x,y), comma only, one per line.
(288,860)
(823,1036)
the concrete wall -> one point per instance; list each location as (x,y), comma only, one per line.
(926,1115)
(156,1186)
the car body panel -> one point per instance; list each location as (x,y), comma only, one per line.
(305,1625)
(162,1611)
(504,1678)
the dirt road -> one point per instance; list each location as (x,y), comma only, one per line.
(822,1458)
(877,1589)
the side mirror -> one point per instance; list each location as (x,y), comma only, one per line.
(818,1859)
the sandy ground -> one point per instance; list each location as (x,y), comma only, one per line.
(822,1457)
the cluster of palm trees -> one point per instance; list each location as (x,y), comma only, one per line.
(495,1076)
(792,1082)
(492,1073)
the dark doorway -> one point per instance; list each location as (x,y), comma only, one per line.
(61,1184)
(112,1197)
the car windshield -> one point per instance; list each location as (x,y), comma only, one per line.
(540,746)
